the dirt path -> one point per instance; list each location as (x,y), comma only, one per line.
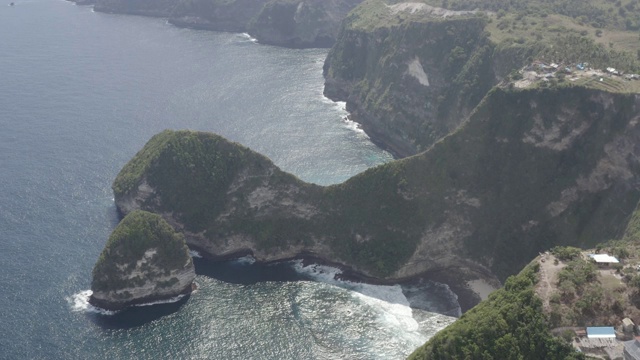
(548,278)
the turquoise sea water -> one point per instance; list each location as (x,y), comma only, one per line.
(80,93)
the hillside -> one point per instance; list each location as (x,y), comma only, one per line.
(529,170)
(411,72)
(510,325)
(561,292)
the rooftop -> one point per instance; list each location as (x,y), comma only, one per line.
(604,258)
(601,332)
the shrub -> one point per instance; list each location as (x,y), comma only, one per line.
(565,253)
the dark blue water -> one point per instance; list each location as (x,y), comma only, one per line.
(80,93)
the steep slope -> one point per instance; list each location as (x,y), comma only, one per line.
(217,15)
(144,260)
(289,23)
(300,24)
(156,8)
(529,170)
(409,75)
(411,72)
(510,325)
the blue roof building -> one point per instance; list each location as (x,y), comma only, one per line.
(601,332)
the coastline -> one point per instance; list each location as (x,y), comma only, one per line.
(466,296)
(198,23)
(147,300)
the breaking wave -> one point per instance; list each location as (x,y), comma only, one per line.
(79,302)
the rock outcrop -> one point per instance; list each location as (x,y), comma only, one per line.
(300,24)
(289,23)
(530,169)
(155,8)
(144,260)
(230,16)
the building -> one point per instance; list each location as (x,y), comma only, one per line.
(601,332)
(627,326)
(604,259)
(632,349)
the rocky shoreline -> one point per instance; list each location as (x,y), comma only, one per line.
(466,296)
(297,25)
(111,306)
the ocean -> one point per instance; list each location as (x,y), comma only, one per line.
(80,94)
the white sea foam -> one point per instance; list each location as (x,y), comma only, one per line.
(167,301)
(194,253)
(321,273)
(249,37)
(387,301)
(354,126)
(80,303)
(245,260)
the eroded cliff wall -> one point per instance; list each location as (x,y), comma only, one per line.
(410,73)
(530,169)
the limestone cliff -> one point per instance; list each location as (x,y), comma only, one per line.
(301,23)
(144,260)
(410,73)
(530,169)
(290,23)
(155,8)
(217,15)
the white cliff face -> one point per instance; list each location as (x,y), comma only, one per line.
(155,283)
(416,70)
(152,289)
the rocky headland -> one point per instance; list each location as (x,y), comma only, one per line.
(144,260)
(528,170)
(288,23)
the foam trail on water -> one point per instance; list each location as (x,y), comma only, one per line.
(167,301)
(392,307)
(248,37)
(80,303)
(245,260)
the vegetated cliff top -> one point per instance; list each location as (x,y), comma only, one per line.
(559,290)
(576,292)
(411,72)
(140,237)
(529,170)
(509,325)
(595,31)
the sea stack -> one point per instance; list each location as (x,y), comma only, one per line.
(144,260)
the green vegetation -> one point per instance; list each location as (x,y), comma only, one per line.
(509,325)
(464,54)
(376,220)
(566,253)
(139,233)
(190,172)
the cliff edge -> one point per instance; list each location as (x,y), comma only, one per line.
(144,260)
(529,169)
(288,23)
